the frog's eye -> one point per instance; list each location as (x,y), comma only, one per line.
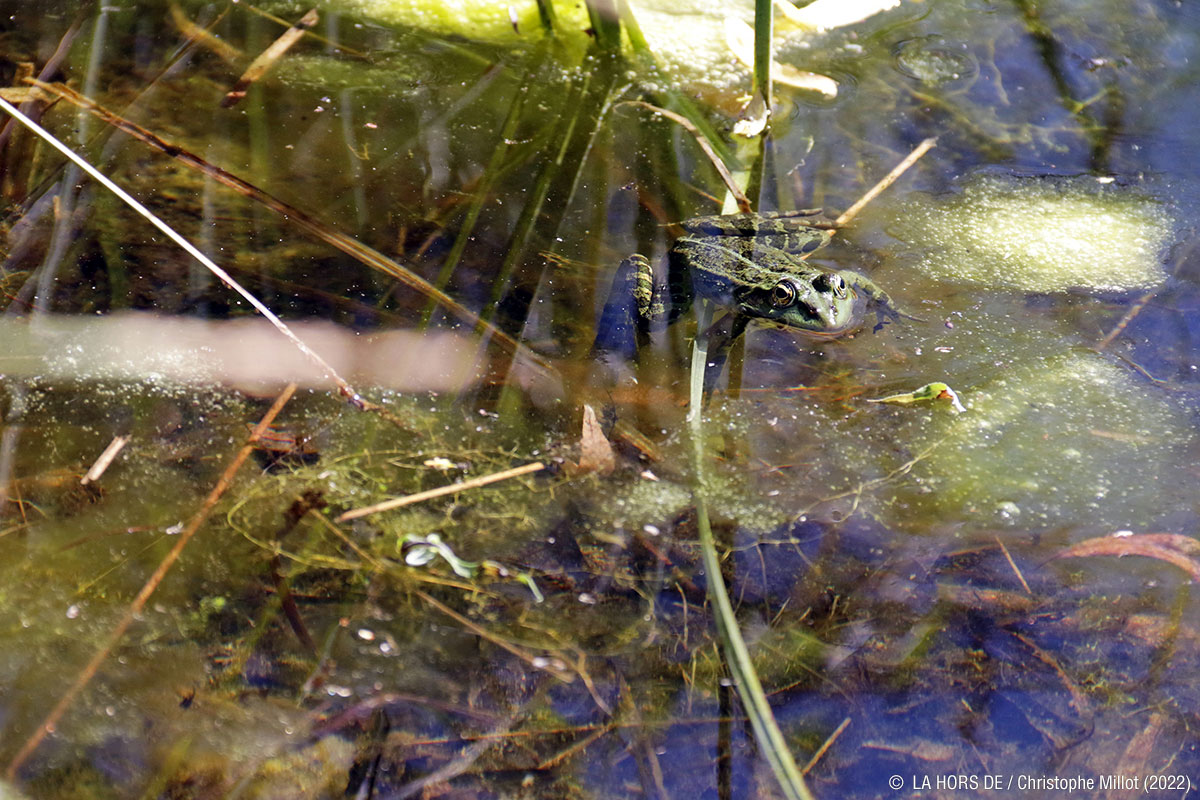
(830,282)
(784,294)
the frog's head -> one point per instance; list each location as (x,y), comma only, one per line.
(822,304)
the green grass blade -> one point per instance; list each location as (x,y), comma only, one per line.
(763,30)
(737,656)
(539,228)
(606,25)
(524,232)
(741,669)
(637,41)
(547,15)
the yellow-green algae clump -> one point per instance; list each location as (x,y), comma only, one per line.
(1039,234)
(478,20)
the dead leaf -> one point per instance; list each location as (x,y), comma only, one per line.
(1173,548)
(923,749)
(595,453)
(1136,758)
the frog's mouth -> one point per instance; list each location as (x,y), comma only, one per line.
(817,333)
(816,317)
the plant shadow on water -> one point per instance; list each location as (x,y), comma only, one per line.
(1002,593)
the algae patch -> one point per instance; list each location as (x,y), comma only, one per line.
(1070,437)
(1045,234)
(481,20)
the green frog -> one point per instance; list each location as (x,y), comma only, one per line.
(751,265)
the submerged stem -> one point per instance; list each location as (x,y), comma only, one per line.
(737,655)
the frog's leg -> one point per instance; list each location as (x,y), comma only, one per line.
(649,298)
(635,303)
(884,307)
(721,335)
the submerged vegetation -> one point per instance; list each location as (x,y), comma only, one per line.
(955,544)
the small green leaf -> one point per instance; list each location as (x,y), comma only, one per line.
(930,391)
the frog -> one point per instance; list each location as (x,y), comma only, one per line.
(753,266)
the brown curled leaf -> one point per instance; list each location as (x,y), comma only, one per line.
(1173,548)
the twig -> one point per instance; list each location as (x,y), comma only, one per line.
(338,532)
(576,747)
(135,608)
(309,500)
(104,461)
(717,163)
(48,69)
(453,768)
(283,23)
(1139,369)
(824,748)
(1129,316)
(1135,309)
(898,170)
(409,499)
(1079,700)
(858,490)
(267,58)
(1014,566)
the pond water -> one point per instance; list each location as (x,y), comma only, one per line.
(437,200)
